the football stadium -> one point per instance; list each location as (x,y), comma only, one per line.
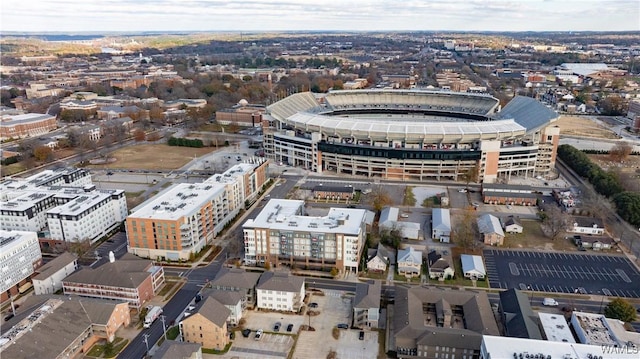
(412,135)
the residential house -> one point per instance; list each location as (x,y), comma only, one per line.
(366,304)
(129,279)
(233,302)
(64,327)
(473,266)
(409,262)
(172,349)
(438,322)
(439,267)
(512,225)
(441,224)
(379,258)
(207,325)
(333,192)
(49,277)
(586,225)
(594,242)
(237,280)
(490,230)
(389,220)
(518,318)
(280,291)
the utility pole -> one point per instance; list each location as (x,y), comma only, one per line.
(145,337)
(164,327)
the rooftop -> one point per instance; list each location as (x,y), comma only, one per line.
(280,281)
(127,272)
(178,201)
(556,328)
(55,265)
(519,348)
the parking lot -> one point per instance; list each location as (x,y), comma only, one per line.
(560,272)
(334,308)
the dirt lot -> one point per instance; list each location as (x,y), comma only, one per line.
(629,169)
(583,126)
(154,157)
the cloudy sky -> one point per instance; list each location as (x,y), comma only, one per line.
(359,15)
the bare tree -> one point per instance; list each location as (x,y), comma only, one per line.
(470,175)
(554,221)
(465,233)
(379,198)
(620,151)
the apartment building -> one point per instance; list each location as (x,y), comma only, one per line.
(280,291)
(182,220)
(49,277)
(237,280)
(207,326)
(129,279)
(63,327)
(88,216)
(26,212)
(283,234)
(19,257)
(65,177)
(26,125)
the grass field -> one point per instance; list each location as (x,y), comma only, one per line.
(584,127)
(154,157)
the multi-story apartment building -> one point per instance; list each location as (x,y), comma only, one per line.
(88,216)
(19,257)
(27,125)
(67,177)
(182,220)
(129,279)
(237,280)
(27,212)
(283,234)
(207,326)
(280,291)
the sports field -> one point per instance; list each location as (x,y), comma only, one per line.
(154,157)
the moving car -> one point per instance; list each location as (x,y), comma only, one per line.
(8,317)
(549,302)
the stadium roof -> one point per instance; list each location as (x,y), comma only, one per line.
(528,112)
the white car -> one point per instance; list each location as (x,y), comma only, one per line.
(462,190)
(259,334)
(549,302)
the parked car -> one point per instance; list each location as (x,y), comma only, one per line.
(550,302)
(361,335)
(289,327)
(342,326)
(8,317)
(198,298)
(246,333)
(313,305)
(259,334)
(276,327)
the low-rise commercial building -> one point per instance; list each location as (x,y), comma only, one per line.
(20,255)
(26,125)
(129,279)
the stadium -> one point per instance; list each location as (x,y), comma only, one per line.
(412,135)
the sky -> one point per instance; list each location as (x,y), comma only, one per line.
(73,16)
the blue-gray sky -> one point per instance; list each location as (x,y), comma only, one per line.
(279,15)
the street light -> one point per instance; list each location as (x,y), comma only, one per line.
(164,327)
(530,288)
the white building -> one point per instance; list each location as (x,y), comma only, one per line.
(50,276)
(281,233)
(600,331)
(472,266)
(280,291)
(389,220)
(233,301)
(67,177)
(19,257)
(26,212)
(441,224)
(587,225)
(556,328)
(494,347)
(87,216)
(409,262)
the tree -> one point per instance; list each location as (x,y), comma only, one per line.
(138,135)
(43,153)
(620,309)
(620,151)
(612,106)
(465,232)
(470,175)
(334,272)
(379,198)
(628,206)
(555,222)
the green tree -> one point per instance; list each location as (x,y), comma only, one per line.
(620,309)
(628,206)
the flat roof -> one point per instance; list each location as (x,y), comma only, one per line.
(80,204)
(12,120)
(286,215)
(556,328)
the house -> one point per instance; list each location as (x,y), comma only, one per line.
(409,262)
(237,280)
(366,305)
(473,266)
(231,300)
(50,276)
(512,225)
(207,325)
(518,318)
(389,221)
(280,291)
(64,327)
(436,322)
(172,349)
(490,230)
(594,242)
(129,278)
(441,224)
(379,258)
(586,225)
(439,267)
(333,192)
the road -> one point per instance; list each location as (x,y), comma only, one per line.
(196,278)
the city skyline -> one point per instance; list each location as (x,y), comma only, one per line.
(331,15)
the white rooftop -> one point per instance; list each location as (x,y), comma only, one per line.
(11,240)
(178,201)
(509,347)
(472,263)
(556,328)
(80,203)
(229,176)
(284,214)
